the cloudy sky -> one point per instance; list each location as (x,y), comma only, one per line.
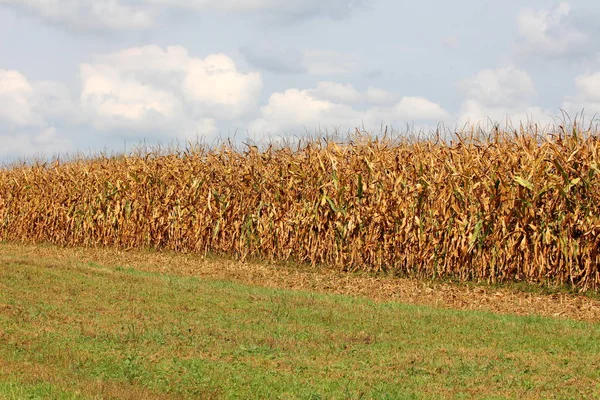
(89,75)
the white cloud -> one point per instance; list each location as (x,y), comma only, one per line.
(142,14)
(417,111)
(87,14)
(17,100)
(289,9)
(145,92)
(216,84)
(587,96)
(336,92)
(498,95)
(27,112)
(23,144)
(108,94)
(588,85)
(378,96)
(473,112)
(550,33)
(151,89)
(418,108)
(295,110)
(499,87)
(26,104)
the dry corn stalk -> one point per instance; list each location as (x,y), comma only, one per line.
(507,206)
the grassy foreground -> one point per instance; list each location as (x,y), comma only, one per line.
(85,330)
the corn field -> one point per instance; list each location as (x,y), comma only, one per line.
(501,206)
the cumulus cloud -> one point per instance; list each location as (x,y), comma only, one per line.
(379,96)
(588,85)
(500,94)
(147,89)
(499,87)
(587,96)
(32,104)
(295,109)
(287,9)
(45,142)
(16,100)
(28,112)
(336,92)
(142,92)
(216,86)
(114,98)
(418,108)
(419,112)
(550,32)
(87,14)
(142,14)
(473,112)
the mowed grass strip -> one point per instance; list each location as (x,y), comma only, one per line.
(510,298)
(82,330)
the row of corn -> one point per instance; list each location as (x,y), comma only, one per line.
(504,206)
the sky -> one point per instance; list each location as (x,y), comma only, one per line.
(96,75)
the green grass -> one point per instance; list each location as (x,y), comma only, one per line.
(82,330)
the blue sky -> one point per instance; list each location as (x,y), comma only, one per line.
(89,75)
